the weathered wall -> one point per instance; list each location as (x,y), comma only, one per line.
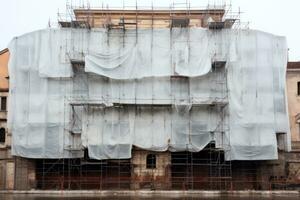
(7,169)
(4,56)
(146,18)
(157,178)
(25,178)
(278,174)
(293,103)
(292,78)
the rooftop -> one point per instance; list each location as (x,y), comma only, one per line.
(3,51)
(148,11)
(293,66)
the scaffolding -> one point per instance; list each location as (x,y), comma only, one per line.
(206,169)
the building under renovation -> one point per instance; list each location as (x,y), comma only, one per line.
(149,99)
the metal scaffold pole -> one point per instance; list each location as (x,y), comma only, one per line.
(185,169)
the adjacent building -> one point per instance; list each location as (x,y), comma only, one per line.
(6,159)
(293,92)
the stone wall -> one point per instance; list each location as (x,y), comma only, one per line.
(292,79)
(25,174)
(156,178)
(7,170)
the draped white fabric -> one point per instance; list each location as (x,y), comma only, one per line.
(154,89)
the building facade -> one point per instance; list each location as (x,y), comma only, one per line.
(6,159)
(145,169)
(293,92)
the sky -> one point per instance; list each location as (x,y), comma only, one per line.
(275,16)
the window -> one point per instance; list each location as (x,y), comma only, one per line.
(2,135)
(180,22)
(151,161)
(3,103)
(298,88)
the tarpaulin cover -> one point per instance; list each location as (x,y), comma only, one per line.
(156,89)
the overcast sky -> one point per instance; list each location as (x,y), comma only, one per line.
(275,16)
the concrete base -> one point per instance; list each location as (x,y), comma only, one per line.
(158,193)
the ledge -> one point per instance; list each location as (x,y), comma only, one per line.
(168,193)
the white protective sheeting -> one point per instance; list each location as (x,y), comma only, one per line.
(154,89)
(257,103)
(110,132)
(153,54)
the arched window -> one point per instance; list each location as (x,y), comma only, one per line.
(2,135)
(151,161)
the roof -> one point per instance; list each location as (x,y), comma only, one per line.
(165,11)
(293,66)
(148,11)
(3,51)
